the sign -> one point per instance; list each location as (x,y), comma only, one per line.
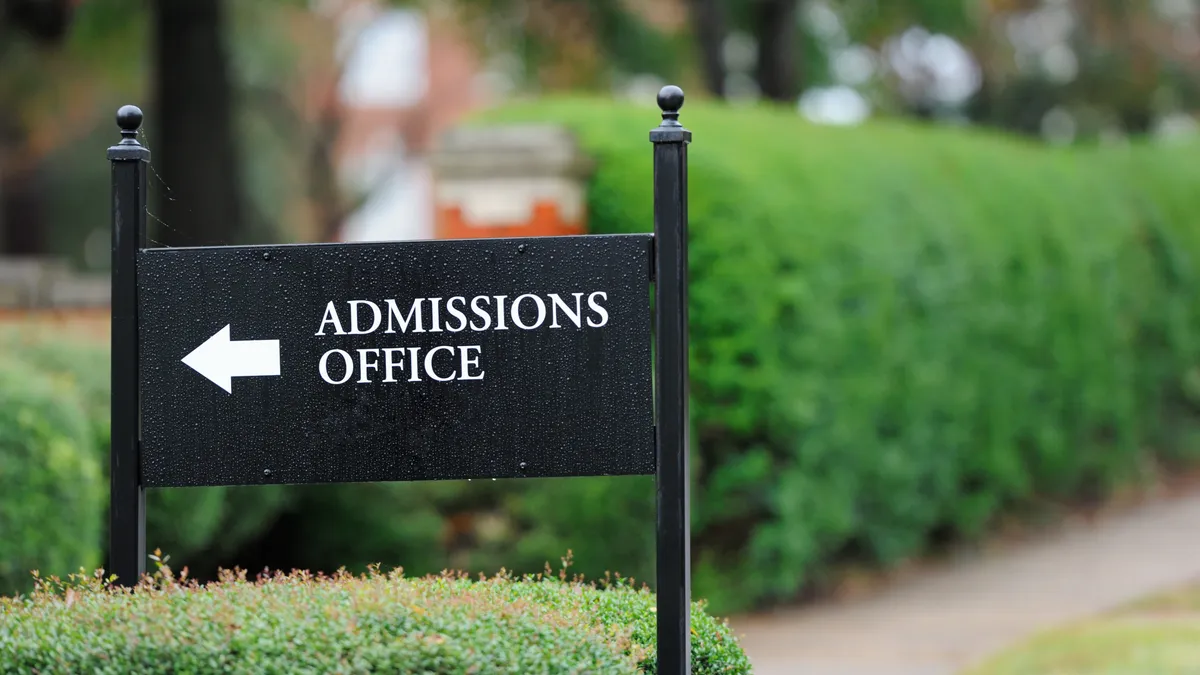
(486,358)
(392,361)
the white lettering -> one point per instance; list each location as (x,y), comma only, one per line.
(437,328)
(389,365)
(325,366)
(479,311)
(557,302)
(414,372)
(354,329)
(331,317)
(500,312)
(462,318)
(474,313)
(516,313)
(429,363)
(468,361)
(603,313)
(394,313)
(364,365)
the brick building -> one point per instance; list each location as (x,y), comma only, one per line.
(409,79)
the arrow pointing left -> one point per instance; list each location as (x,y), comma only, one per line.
(220,359)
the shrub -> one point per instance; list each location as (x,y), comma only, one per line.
(359,524)
(192,523)
(476,525)
(300,623)
(899,333)
(51,488)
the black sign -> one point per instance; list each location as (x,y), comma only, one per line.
(481,358)
(335,363)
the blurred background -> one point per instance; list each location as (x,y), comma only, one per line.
(945,260)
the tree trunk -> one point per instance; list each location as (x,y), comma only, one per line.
(44,20)
(22,216)
(776,30)
(327,199)
(22,213)
(195,152)
(708,21)
(22,199)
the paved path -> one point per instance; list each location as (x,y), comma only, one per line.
(948,618)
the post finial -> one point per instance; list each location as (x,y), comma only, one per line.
(670,100)
(129,119)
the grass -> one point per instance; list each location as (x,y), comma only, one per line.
(1159,635)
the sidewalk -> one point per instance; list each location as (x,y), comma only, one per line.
(949,618)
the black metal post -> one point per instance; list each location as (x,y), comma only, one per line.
(127,499)
(674,581)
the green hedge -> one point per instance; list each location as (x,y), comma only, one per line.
(299,623)
(51,487)
(193,525)
(899,333)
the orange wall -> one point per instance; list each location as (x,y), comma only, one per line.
(546,221)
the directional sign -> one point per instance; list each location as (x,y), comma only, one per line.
(338,363)
(220,359)
(396,361)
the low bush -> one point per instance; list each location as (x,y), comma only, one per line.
(51,487)
(193,523)
(300,623)
(354,525)
(899,333)
(475,525)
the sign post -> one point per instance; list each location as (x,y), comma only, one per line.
(408,360)
(674,578)
(127,498)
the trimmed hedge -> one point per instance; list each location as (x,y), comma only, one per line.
(899,332)
(51,487)
(300,623)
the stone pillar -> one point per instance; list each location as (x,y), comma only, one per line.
(509,181)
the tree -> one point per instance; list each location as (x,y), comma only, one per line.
(196,149)
(25,26)
(709,23)
(191,120)
(1068,68)
(777,34)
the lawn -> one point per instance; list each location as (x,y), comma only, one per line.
(1155,636)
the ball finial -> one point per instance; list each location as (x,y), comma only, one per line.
(670,99)
(129,119)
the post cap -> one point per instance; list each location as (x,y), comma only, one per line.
(670,100)
(129,118)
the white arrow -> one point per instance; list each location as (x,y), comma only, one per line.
(221,360)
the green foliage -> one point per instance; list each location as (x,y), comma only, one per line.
(476,525)
(355,525)
(871,21)
(195,523)
(50,485)
(617,515)
(900,333)
(346,624)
